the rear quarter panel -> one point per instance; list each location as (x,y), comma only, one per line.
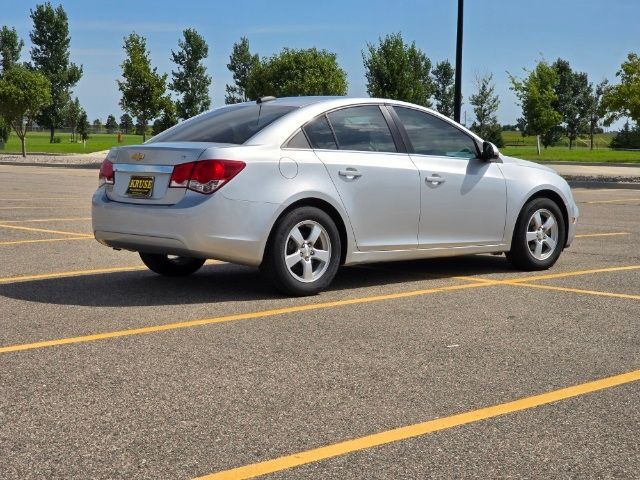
(281,177)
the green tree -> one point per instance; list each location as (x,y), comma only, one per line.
(398,71)
(111,124)
(97,126)
(485,107)
(168,118)
(191,80)
(574,95)
(50,55)
(71,116)
(83,127)
(596,109)
(537,96)
(241,64)
(143,88)
(10,48)
(443,87)
(23,95)
(295,72)
(623,99)
(126,123)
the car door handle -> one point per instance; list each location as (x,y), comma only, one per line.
(349,173)
(435,179)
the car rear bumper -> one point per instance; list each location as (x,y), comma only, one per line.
(205,227)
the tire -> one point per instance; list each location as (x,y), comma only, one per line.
(538,237)
(292,260)
(171,266)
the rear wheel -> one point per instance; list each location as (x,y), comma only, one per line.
(171,265)
(303,254)
(539,236)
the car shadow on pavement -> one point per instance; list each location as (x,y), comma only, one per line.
(229,283)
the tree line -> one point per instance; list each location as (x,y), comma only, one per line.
(556,101)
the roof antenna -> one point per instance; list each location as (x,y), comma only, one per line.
(260,101)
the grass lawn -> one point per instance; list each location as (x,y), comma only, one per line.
(38,142)
(516,146)
(563,154)
(525,147)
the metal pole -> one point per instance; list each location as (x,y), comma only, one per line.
(457,99)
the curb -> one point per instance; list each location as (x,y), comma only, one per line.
(91,165)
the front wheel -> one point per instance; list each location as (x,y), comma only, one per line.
(171,265)
(303,254)
(538,237)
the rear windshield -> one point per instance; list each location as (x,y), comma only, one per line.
(233,124)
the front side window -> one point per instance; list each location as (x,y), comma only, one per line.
(430,135)
(234,124)
(362,128)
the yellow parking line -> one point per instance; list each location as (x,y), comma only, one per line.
(73,273)
(45,240)
(28,199)
(612,234)
(420,429)
(551,276)
(575,290)
(617,200)
(232,318)
(78,273)
(479,282)
(34,207)
(44,220)
(45,230)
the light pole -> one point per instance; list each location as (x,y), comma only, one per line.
(457,96)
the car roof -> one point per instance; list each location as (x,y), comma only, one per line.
(309,107)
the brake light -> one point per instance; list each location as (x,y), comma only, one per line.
(105,177)
(205,176)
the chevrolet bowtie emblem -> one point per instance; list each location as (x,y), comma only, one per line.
(137,156)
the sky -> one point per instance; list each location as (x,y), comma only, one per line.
(500,36)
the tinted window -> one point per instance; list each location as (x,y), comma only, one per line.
(430,135)
(320,134)
(363,129)
(298,141)
(235,124)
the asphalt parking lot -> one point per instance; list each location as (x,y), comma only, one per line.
(429,369)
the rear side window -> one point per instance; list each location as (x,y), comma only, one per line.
(235,124)
(362,129)
(298,141)
(320,135)
(430,135)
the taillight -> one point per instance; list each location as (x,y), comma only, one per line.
(106,173)
(205,176)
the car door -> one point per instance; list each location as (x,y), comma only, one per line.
(463,198)
(378,184)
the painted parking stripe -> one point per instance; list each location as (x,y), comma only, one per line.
(618,200)
(612,234)
(79,273)
(575,290)
(236,317)
(420,429)
(45,220)
(551,276)
(480,282)
(73,273)
(44,240)
(45,230)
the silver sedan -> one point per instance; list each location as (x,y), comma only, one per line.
(299,186)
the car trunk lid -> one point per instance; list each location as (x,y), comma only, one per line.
(142,172)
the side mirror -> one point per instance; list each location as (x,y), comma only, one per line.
(489,151)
